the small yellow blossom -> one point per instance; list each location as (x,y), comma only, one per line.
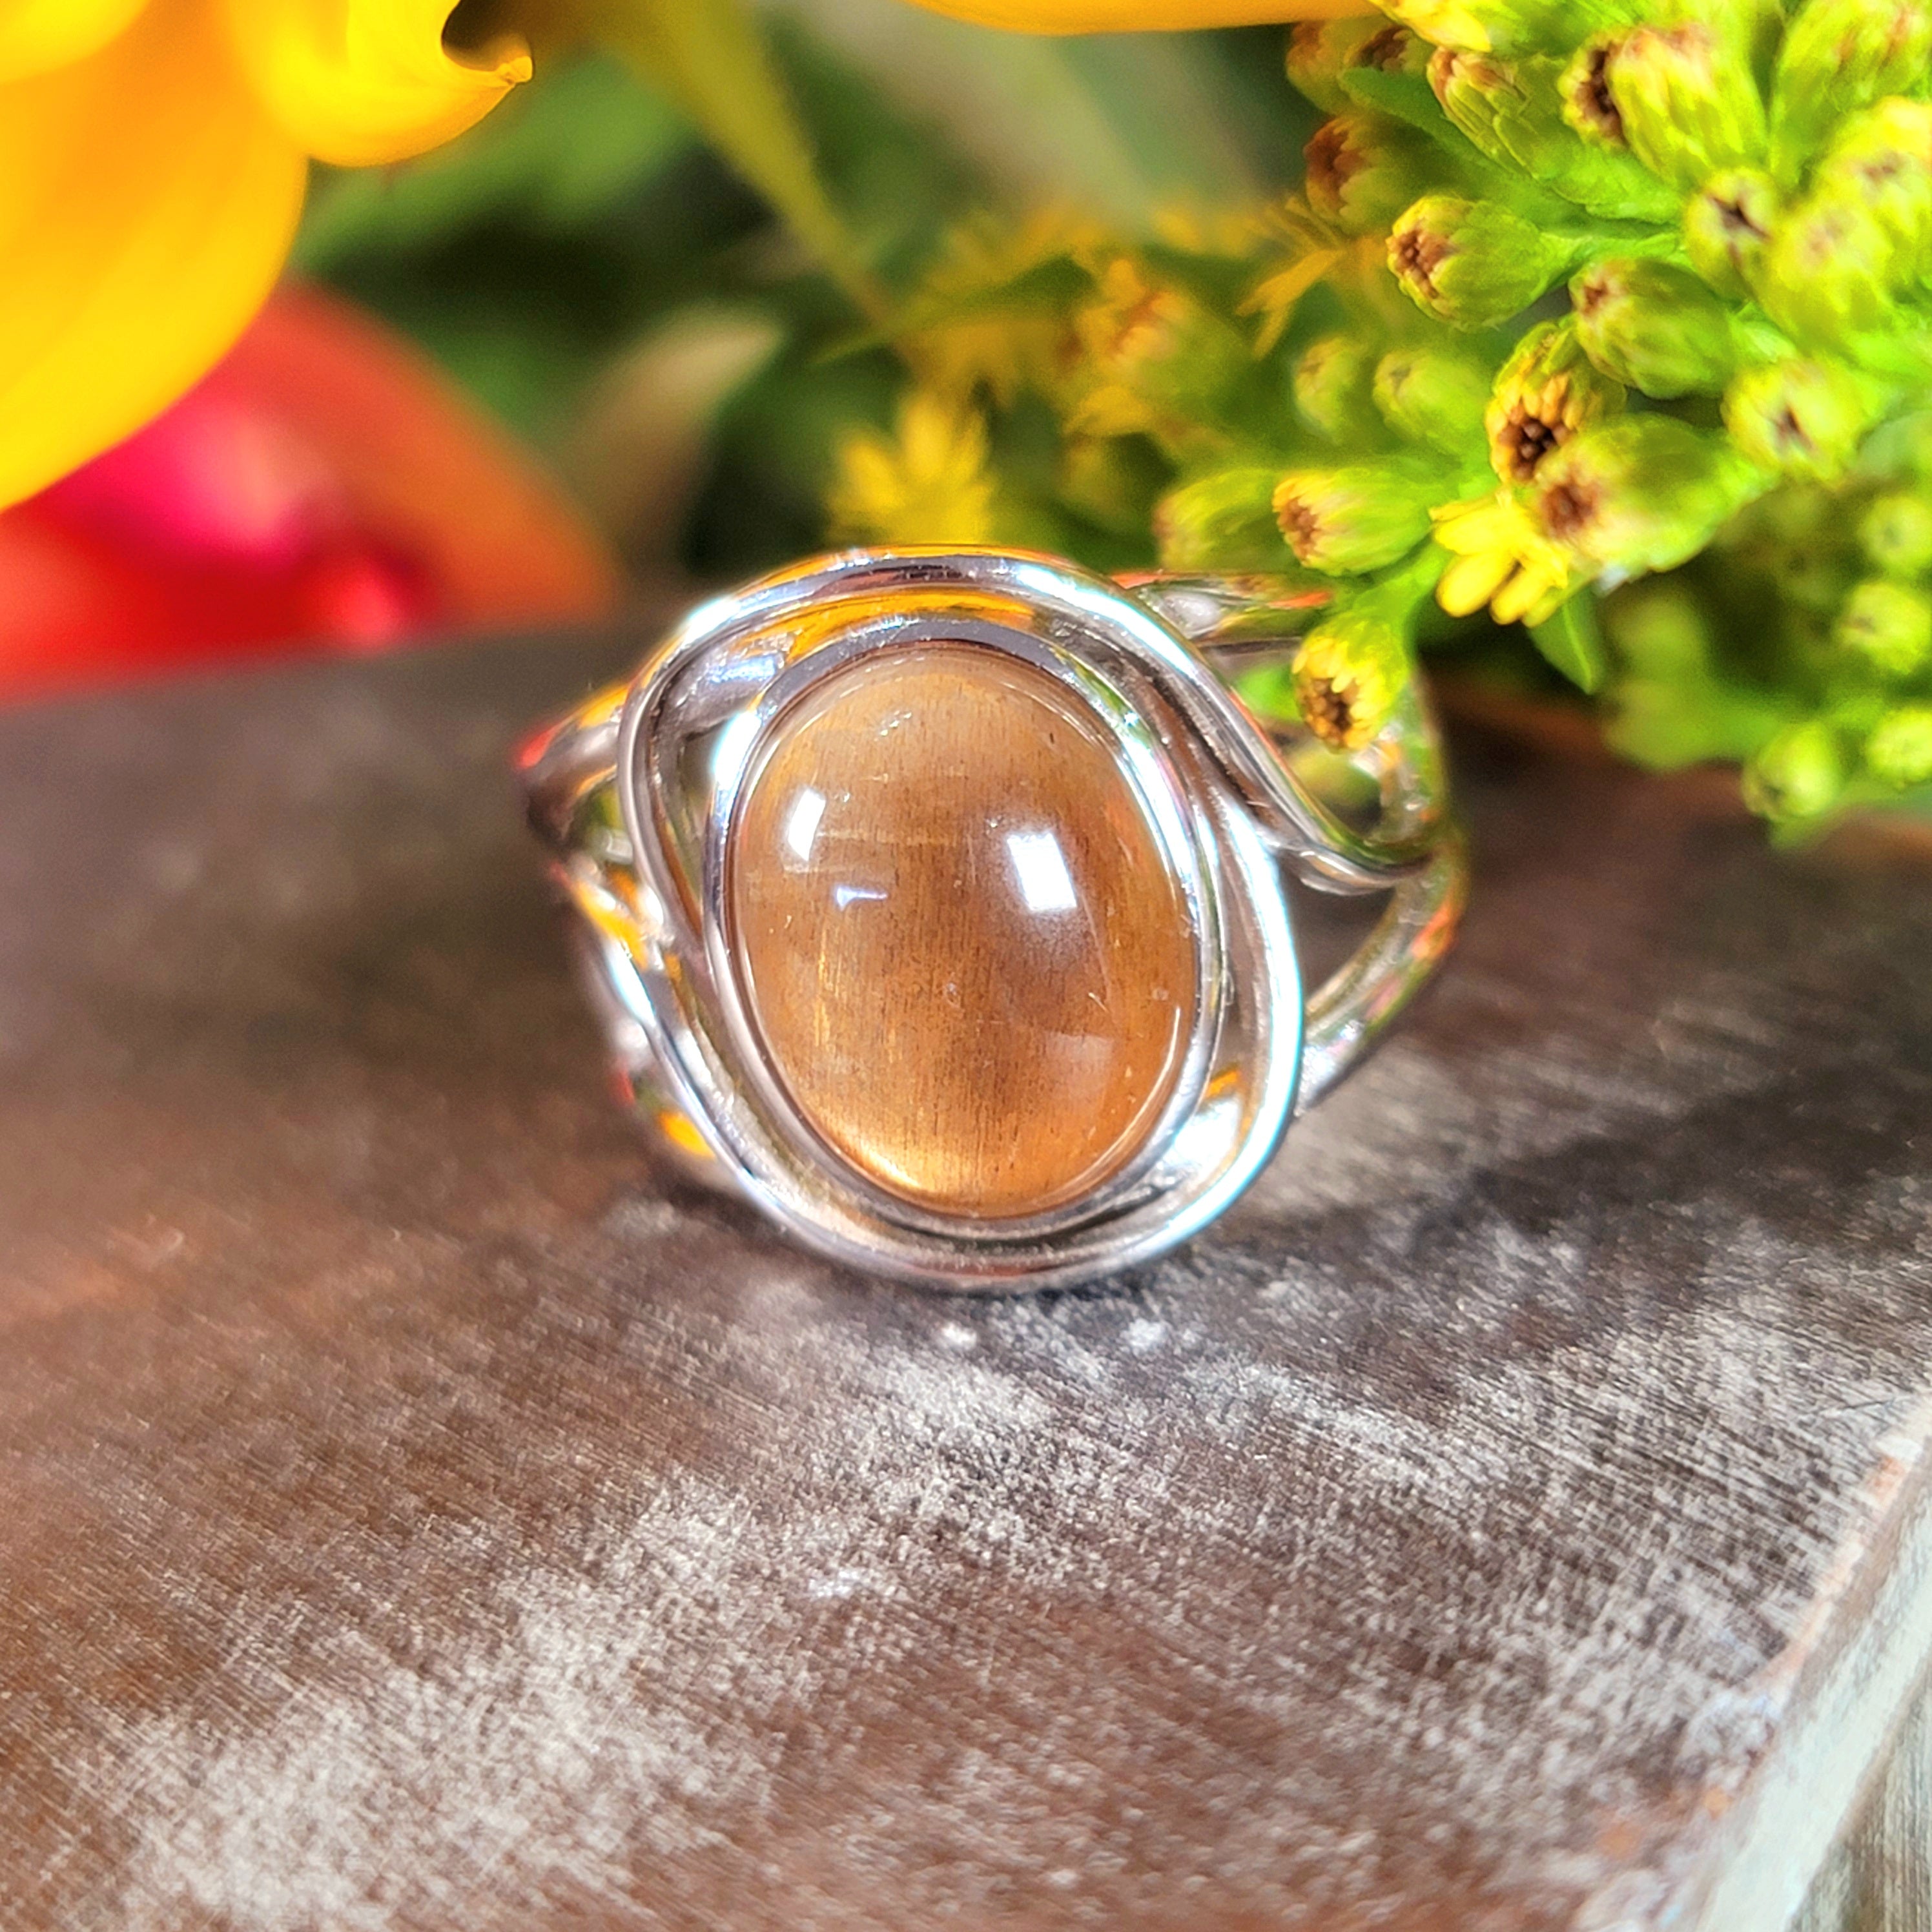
(1135,325)
(1349,674)
(1004,346)
(1136,320)
(153,154)
(1310,250)
(1153,360)
(930,483)
(1275,298)
(1502,559)
(1197,228)
(1546,394)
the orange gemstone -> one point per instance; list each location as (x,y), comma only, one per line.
(963,950)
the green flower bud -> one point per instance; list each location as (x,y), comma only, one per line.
(1656,327)
(1156,361)
(1509,26)
(1349,673)
(1909,445)
(1793,537)
(1447,23)
(1224,520)
(1475,263)
(1888,625)
(1895,533)
(1546,393)
(1513,111)
(1832,268)
(1660,631)
(1899,751)
(1489,98)
(1353,518)
(1728,224)
(1681,98)
(1800,774)
(1640,494)
(1588,101)
(1881,160)
(1754,27)
(1332,384)
(1434,396)
(1364,169)
(1838,56)
(1803,418)
(1813,576)
(1320,52)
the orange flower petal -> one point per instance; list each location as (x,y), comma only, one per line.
(361,82)
(149,204)
(37,34)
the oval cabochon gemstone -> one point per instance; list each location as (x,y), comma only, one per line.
(963,949)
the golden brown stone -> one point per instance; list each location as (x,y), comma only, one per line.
(963,951)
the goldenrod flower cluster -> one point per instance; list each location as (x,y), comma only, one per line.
(1613,320)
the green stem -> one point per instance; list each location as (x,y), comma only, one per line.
(1401,591)
(710,56)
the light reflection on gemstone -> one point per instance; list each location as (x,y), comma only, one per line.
(1040,866)
(801,824)
(962,948)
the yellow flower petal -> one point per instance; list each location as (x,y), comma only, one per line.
(1530,597)
(37,34)
(149,204)
(1470,582)
(929,483)
(1448,23)
(1472,529)
(361,82)
(1127,17)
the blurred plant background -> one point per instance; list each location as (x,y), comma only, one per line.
(667,266)
(646,300)
(735,277)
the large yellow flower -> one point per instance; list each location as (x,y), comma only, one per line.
(152,159)
(1127,16)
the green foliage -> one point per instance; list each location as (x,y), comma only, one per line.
(711,57)
(1573,643)
(499,253)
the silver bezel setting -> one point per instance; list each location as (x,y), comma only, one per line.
(1227,810)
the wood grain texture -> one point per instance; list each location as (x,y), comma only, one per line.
(1878,1875)
(412,1516)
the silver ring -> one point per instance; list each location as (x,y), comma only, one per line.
(936,902)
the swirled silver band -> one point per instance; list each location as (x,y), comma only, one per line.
(610,794)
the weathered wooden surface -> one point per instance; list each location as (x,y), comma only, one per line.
(1878,1876)
(410,1517)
